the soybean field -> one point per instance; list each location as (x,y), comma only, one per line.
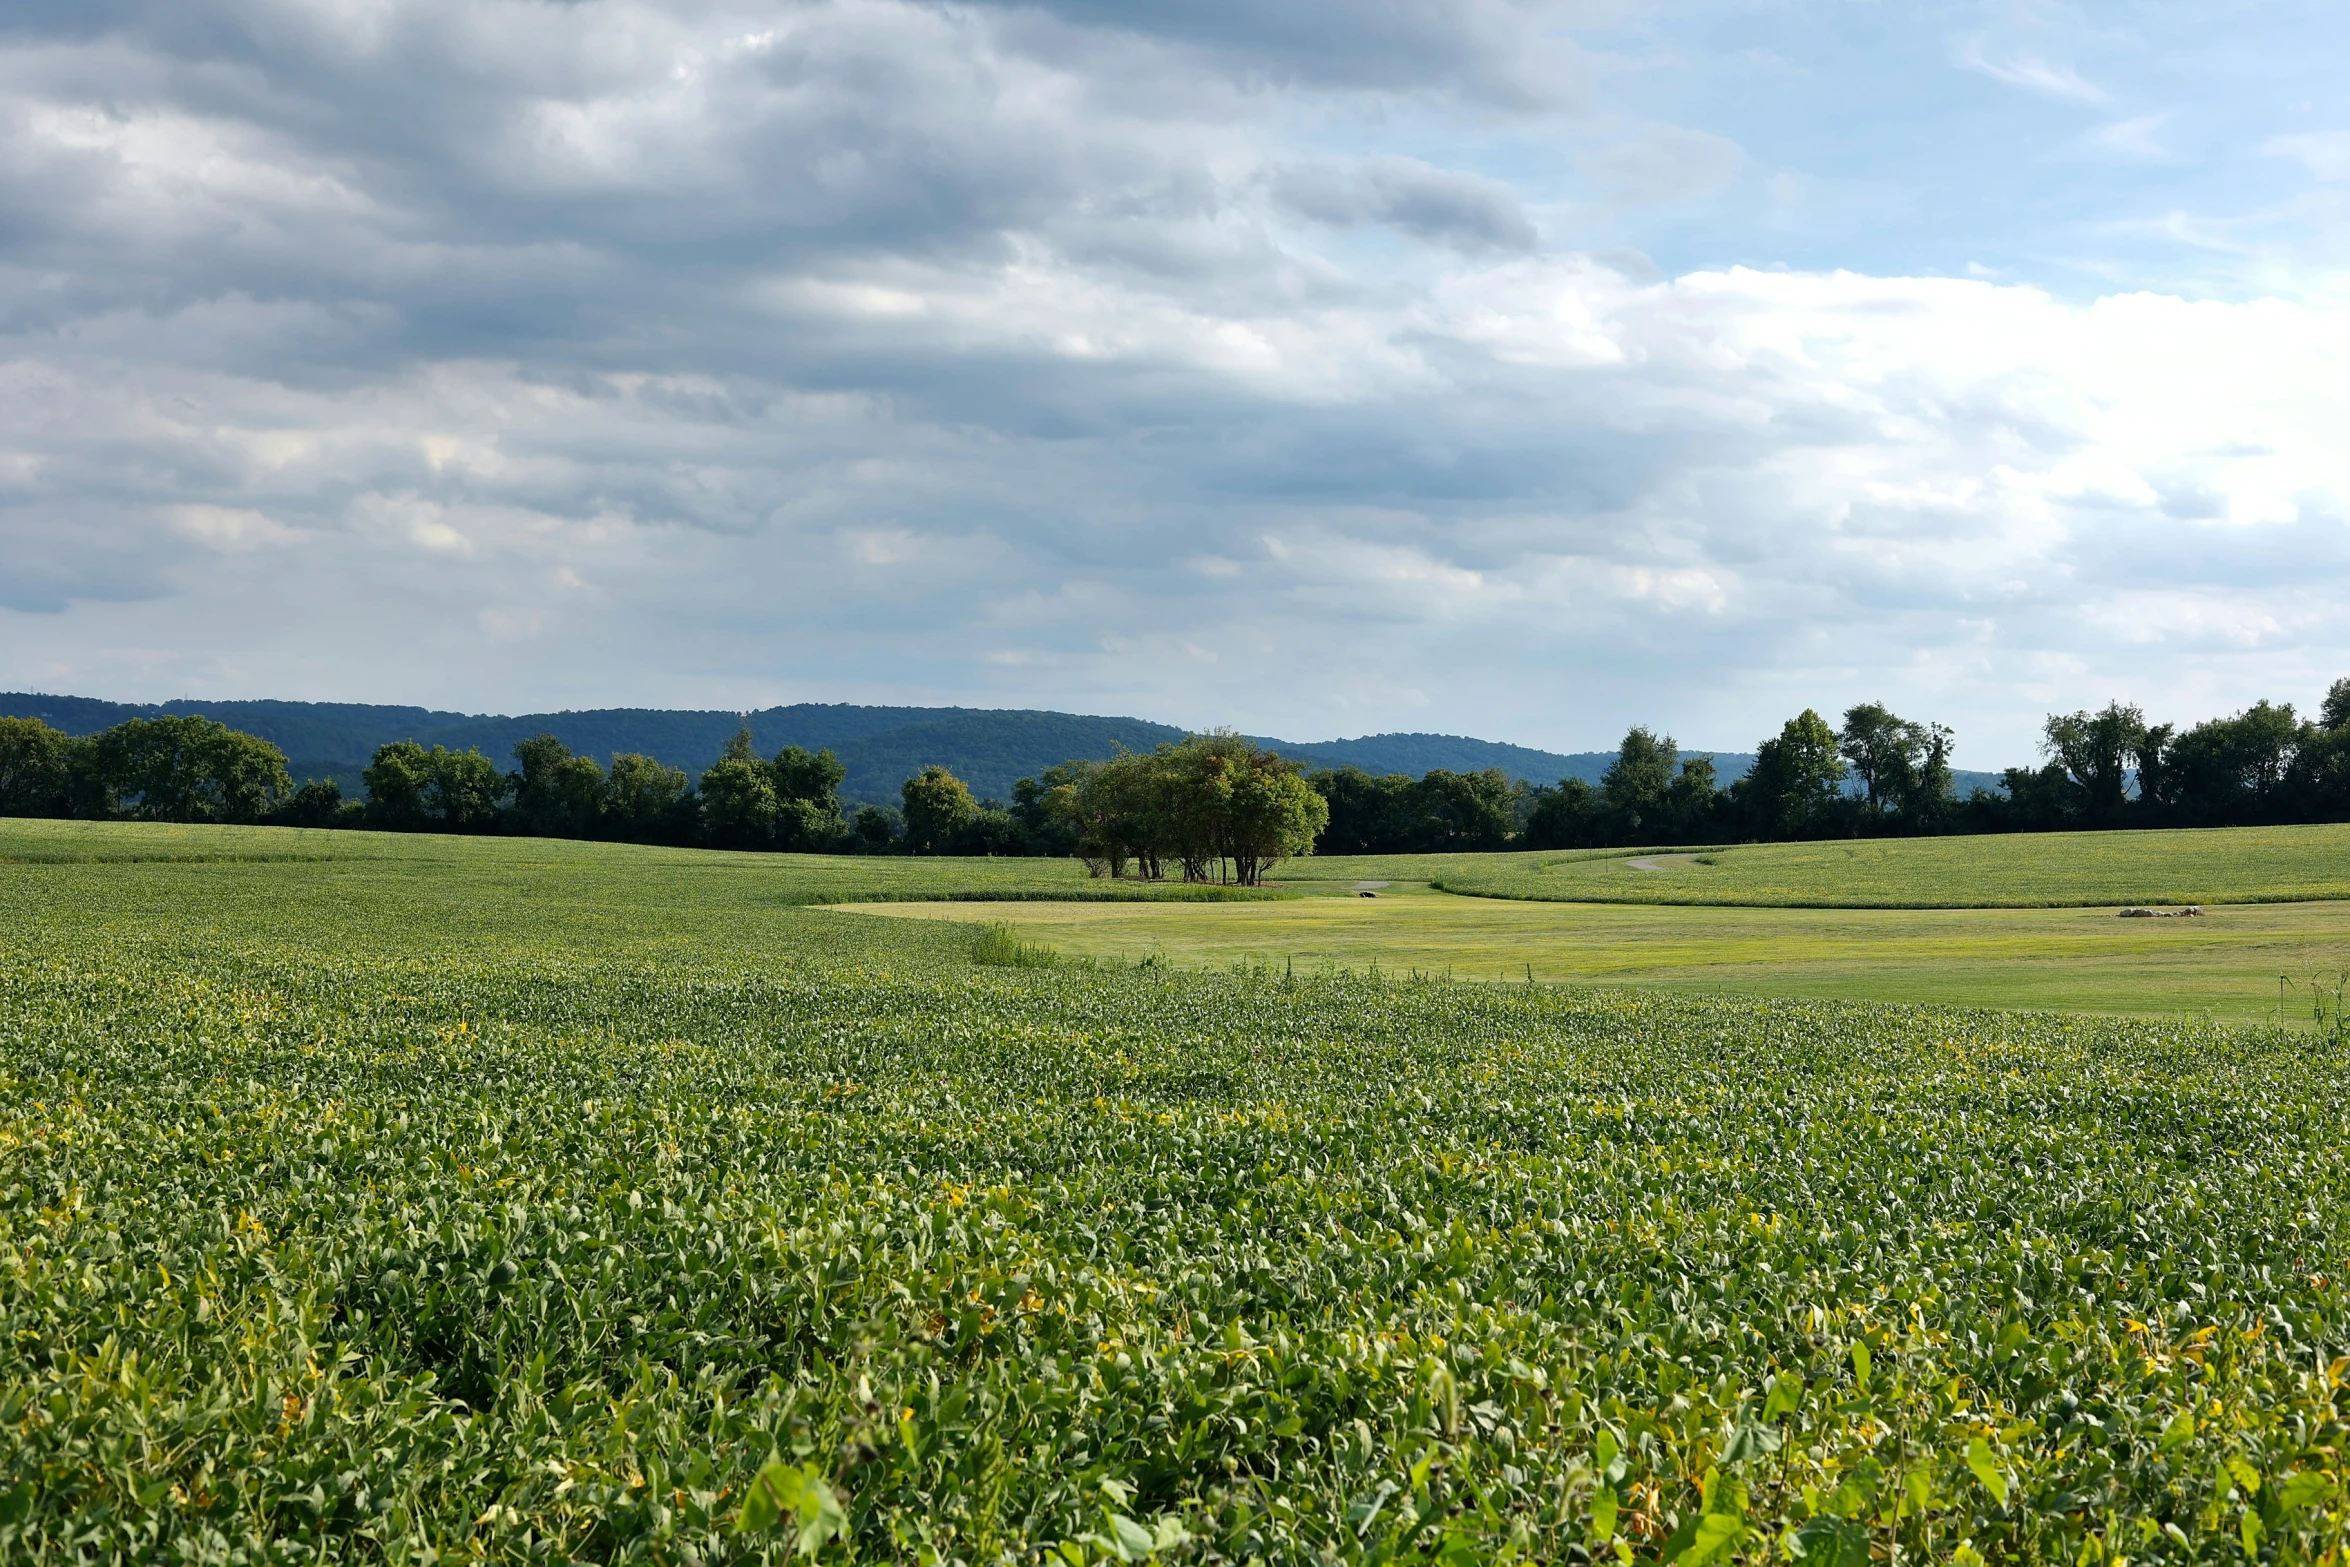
(503,1205)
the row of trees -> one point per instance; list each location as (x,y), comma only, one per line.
(1217,806)
(192,769)
(1214,807)
(2266,764)
(1876,773)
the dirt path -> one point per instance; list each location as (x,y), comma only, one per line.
(1657,862)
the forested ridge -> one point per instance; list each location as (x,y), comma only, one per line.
(1175,804)
(880,747)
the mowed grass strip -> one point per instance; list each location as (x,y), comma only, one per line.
(2012,870)
(495,1211)
(2224,966)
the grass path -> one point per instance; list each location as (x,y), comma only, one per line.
(2071,959)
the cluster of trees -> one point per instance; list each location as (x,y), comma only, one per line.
(1878,773)
(2266,764)
(1394,813)
(192,769)
(149,769)
(1213,807)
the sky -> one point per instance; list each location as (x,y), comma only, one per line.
(1494,367)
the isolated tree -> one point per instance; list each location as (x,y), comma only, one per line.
(937,807)
(2097,749)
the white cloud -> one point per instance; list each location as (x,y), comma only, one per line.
(2035,75)
(697,353)
(2133,140)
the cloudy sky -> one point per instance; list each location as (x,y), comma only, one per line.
(1501,367)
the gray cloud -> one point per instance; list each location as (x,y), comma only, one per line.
(1464,210)
(514,355)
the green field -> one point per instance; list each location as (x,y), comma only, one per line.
(2024,870)
(564,864)
(503,1201)
(2224,966)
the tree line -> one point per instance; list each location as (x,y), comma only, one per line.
(1214,807)
(1217,806)
(1875,774)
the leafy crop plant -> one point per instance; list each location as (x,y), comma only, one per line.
(348,1242)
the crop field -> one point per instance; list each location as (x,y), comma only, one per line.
(2024,870)
(566,866)
(492,1205)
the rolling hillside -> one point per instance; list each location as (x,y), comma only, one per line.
(882,746)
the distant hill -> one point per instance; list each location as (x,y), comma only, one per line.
(988,748)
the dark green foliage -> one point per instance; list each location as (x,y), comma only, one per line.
(320,803)
(1047,825)
(647,802)
(1394,814)
(1218,806)
(739,804)
(1567,817)
(875,831)
(789,802)
(557,794)
(186,769)
(938,806)
(2098,750)
(2232,769)
(1634,787)
(410,789)
(38,769)
(1795,788)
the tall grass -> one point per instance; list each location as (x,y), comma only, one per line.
(999,946)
